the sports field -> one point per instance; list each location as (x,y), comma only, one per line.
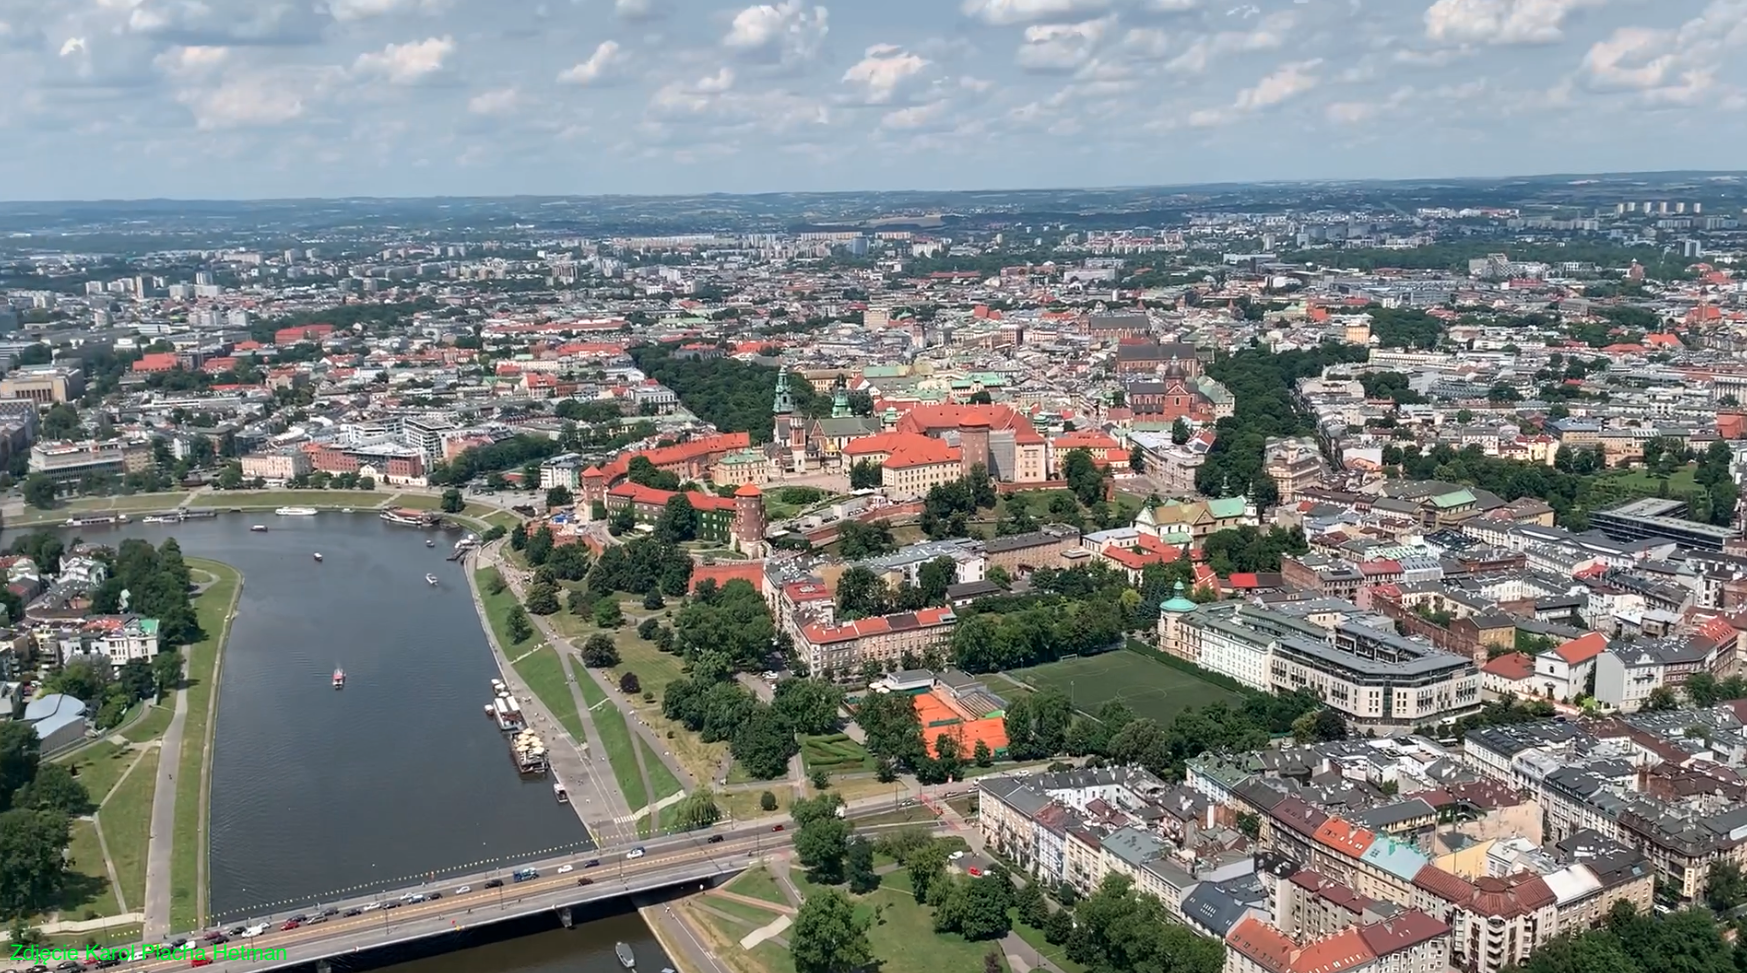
(1150,689)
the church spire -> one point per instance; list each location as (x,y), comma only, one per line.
(785,403)
(840,401)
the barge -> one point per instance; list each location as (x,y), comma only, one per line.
(528,752)
(295,512)
(507,714)
(405,517)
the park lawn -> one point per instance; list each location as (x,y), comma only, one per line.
(758,883)
(724,935)
(543,671)
(146,501)
(655,670)
(905,941)
(834,753)
(1152,690)
(915,814)
(751,914)
(1035,939)
(98,767)
(857,788)
(128,935)
(964,804)
(417,501)
(257,499)
(615,739)
(127,827)
(661,780)
(497,612)
(87,893)
(743,805)
(151,725)
(213,608)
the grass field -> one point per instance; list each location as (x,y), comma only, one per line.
(188,854)
(543,671)
(661,780)
(151,725)
(835,753)
(615,738)
(758,883)
(1151,690)
(127,827)
(86,893)
(99,767)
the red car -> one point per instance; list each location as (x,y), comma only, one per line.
(290,924)
(777,828)
(201,962)
(974,871)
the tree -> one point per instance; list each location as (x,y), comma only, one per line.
(697,811)
(653,601)
(520,629)
(542,598)
(453,503)
(865,475)
(1137,458)
(858,541)
(20,754)
(32,868)
(540,544)
(39,491)
(678,521)
(1702,689)
(926,866)
(1058,927)
(977,909)
(1320,726)
(600,652)
(828,937)
(981,755)
(54,788)
(767,801)
(558,496)
(763,744)
(821,845)
(859,864)
(1726,887)
(1179,431)
(629,684)
(807,705)
(167,672)
(607,613)
(1661,698)
(820,780)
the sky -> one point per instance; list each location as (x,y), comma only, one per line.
(288,98)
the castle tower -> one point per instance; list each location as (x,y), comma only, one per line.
(840,402)
(783,409)
(749,521)
(973,442)
(594,490)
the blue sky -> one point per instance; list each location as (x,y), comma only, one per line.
(258,98)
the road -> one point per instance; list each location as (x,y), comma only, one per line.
(684,856)
(163,833)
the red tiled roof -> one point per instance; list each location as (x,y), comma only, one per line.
(1582,649)
(1344,837)
(1261,943)
(1515,666)
(1339,952)
(862,627)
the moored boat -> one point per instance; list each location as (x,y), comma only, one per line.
(559,792)
(296,511)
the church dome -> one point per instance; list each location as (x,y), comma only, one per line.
(1177,604)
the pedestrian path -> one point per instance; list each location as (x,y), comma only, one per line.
(659,806)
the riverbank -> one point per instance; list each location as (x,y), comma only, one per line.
(215,608)
(480,516)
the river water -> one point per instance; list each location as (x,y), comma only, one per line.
(320,794)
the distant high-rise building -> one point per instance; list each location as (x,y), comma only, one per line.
(203,277)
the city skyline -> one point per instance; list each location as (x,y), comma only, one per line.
(222,99)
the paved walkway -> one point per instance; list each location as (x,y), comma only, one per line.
(163,833)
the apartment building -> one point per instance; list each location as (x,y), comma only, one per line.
(108,457)
(276,467)
(838,652)
(1376,678)
(1411,942)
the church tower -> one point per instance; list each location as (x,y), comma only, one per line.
(783,409)
(840,400)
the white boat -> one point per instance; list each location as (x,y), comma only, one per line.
(430,579)
(430,543)
(318,556)
(296,511)
(259,528)
(339,679)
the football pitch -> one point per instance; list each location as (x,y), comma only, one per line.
(1150,689)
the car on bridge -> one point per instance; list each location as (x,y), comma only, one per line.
(592,863)
(637,852)
(715,839)
(566,869)
(290,924)
(496,883)
(463,890)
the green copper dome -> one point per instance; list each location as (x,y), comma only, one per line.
(1177,603)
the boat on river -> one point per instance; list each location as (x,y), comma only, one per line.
(339,678)
(296,511)
(559,792)
(430,579)
(259,528)
(318,557)
(626,957)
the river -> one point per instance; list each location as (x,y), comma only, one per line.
(319,794)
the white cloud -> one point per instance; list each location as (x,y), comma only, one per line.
(787,31)
(1350,112)
(349,10)
(186,61)
(73,45)
(1269,34)
(1173,6)
(1500,21)
(716,83)
(1670,66)
(407,63)
(1636,58)
(607,57)
(500,101)
(243,103)
(1287,82)
(1003,13)
(916,117)
(880,73)
(1147,41)
(636,9)
(1062,47)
